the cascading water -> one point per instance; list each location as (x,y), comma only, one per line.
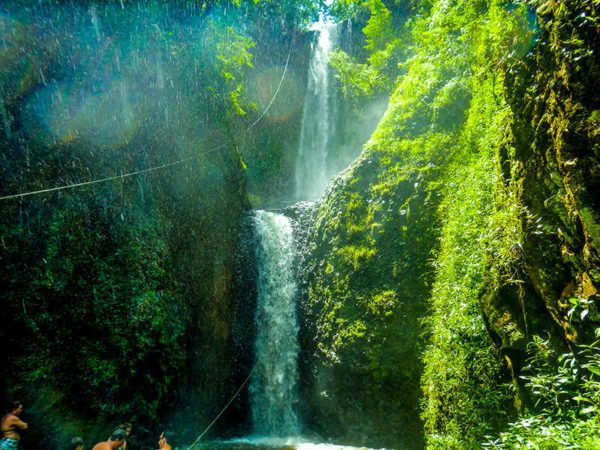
(273,386)
(312,174)
(274,381)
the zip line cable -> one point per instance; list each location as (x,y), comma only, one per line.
(115,177)
(276,92)
(159,167)
(223,410)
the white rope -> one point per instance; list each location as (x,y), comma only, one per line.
(210,425)
(116,177)
(223,410)
(276,92)
(150,169)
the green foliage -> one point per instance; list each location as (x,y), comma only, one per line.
(446,119)
(379,28)
(465,394)
(298,13)
(292,14)
(99,310)
(386,43)
(355,78)
(566,390)
(347,9)
(465,388)
(232,58)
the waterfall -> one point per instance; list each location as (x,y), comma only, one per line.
(312,173)
(273,387)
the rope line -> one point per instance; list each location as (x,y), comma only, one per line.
(210,425)
(276,92)
(159,167)
(115,177)
(223,410)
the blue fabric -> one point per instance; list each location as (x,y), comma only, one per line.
(8,444)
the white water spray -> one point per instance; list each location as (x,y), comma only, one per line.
(312,172)
(273,386)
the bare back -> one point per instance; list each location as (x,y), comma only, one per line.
(102,446)
(11,425)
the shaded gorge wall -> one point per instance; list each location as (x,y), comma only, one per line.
(131,299)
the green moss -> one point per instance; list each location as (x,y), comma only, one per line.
(432,181)
(591,225)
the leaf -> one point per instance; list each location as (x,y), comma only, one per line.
(589,410)
(595,370)
(579,398)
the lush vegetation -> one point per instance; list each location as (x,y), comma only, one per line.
(565,388)
(499,269)
(451,272)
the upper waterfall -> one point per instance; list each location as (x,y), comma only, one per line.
(317,127)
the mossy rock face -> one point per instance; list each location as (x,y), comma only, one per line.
(370,268)
(555,100)
(211,252)
(366,295)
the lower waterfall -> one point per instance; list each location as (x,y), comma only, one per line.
(273,386)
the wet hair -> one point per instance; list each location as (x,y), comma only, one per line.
(118,435)
(124,426)
(76,442)
(15,404)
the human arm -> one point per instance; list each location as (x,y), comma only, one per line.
(14,422)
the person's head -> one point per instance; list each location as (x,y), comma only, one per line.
(117,438)
(127,427)
(16,407)
(76,443)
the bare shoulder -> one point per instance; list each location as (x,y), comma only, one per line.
(102,446)
(8,420)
